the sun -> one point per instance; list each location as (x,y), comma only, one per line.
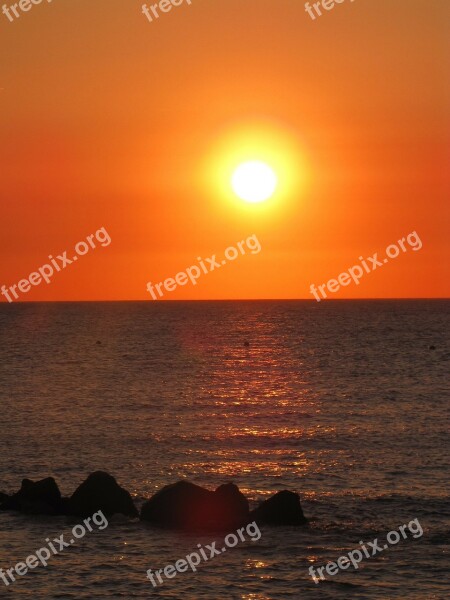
(258,167)
(254,181)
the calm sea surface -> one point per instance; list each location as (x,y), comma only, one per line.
(344,402)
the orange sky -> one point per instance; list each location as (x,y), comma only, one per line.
(110,121)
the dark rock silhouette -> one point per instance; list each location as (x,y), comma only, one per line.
(184,505)
(101,491)
(37,498)
(281,509)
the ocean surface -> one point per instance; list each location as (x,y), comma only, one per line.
(343,401)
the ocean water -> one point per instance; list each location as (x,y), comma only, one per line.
(342,401)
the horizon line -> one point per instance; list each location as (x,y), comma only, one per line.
(231,300)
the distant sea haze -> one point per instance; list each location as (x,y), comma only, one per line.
(344,402)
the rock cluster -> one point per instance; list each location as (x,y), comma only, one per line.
(182,505)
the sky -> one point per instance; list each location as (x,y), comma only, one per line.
(111,121)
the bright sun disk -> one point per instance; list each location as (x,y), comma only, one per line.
(254,181)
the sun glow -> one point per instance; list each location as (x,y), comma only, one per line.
(254,181)
(257,165)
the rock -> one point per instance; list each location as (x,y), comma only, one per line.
(281,509)
(3,497)
(36,497)
(184,505)
(232,504)
(101,491)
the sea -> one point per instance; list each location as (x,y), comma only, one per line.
(344,402)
